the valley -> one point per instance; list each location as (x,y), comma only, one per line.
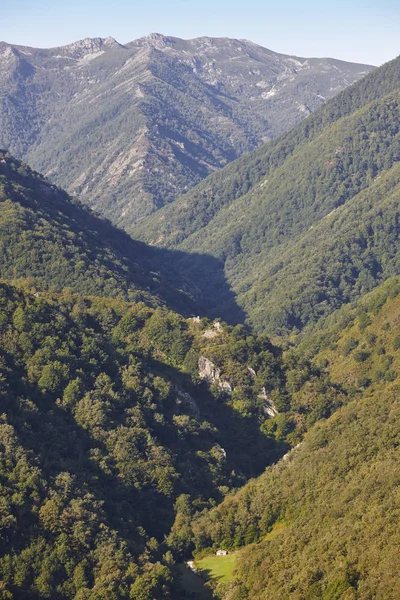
(200,334)
(306,223)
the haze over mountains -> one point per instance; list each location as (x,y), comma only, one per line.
(128,128)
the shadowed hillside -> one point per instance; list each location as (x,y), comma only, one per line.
(46,235)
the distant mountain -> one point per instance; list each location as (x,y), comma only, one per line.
(130,128)
(308,222)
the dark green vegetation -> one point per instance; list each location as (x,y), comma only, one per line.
(130,128)
(107,432)
(333,503)
(124,423)
(308,222)
(120,421)
(53,239)
(193,584)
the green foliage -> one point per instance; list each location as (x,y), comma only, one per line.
(53,240)
(109,443)
(333,501)
(361,356)
(349,346)
(308,222)
(131,150)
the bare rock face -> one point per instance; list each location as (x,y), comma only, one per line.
(213,331)
(129,128)
(210,373)
(207,370)
(269,407)
(80,49)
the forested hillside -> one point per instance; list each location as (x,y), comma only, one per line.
(128,128)
(46,235)
(121,420)
(332,505)
(106,422)
(143,420)
(308,222)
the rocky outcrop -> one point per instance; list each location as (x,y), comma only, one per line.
(189,402)
(252,372)
(213,331)
(290,455)
(210,373)
(269,407)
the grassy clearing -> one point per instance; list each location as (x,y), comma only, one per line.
(220,569)
(217,569)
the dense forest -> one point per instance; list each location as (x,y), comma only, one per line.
(121,420)
(111,431)
(308,222)
(106,423)
(54,239)
(322,523)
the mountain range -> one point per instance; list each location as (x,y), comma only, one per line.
(129,128)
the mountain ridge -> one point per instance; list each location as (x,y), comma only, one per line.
(265,210)
(128,128)
(54,238)
(311,525)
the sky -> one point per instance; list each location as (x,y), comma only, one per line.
(365,31)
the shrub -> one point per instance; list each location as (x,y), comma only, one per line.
(361,356)
(349,346)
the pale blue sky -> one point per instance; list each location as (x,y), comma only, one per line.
(356,30)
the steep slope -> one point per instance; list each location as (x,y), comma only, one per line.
(105,425)
(130,128)
(46,235)
(308,222)
(119,420)
(333,503)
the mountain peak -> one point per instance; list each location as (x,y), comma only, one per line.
(153,40)
(6,50)
(89,46)
(242,94)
